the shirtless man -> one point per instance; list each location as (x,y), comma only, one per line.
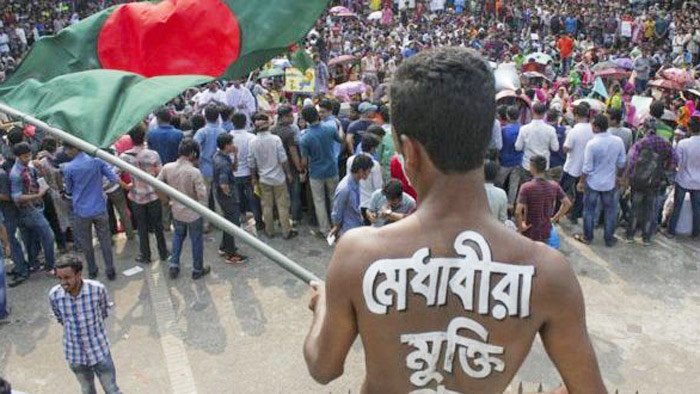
(451,333)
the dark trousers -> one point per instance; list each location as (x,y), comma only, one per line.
(52,217)
(232,212)
(247,199)
(643,204)
(150,216)
(294,188)
(678,199)
(568,184)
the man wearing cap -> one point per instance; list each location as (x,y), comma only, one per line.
(357,128)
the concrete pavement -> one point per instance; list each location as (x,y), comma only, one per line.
(241,329)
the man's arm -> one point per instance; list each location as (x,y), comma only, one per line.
(108,172)
(340,200)
(334,326)
(296,158)
(564,332)
(55,310)
(520,211)
(563,209)
(519,142)
(554,141)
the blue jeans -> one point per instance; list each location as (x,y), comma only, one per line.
(37,226)
(641,85)
(591,200)
(11,225)
(246,196)
(105,372)
(678,200)
(3,288)
(196,230)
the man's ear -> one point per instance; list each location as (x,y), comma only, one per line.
(413,158)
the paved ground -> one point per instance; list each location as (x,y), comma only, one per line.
(241,330)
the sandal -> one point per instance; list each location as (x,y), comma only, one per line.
(580,238)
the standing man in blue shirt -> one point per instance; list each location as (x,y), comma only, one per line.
(511,159)
(346,213)
(29,197)
(165,139)
(604,156)
(243,180)
(206,138)
(317,150)
(82,178)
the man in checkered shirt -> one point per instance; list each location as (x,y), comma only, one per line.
(81,307)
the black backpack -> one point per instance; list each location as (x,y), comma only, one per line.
(648,172)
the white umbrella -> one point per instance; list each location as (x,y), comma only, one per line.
(375,16)
(596,105)
(538,57)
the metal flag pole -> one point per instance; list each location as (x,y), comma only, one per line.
(215,219)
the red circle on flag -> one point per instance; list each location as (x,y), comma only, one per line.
(173,37)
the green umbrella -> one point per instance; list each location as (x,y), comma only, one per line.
(272,72)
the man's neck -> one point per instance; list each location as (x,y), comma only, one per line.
(447,194)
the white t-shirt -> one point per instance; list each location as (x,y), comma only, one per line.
(576,140)
(536,138)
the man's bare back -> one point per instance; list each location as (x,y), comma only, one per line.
(448,299)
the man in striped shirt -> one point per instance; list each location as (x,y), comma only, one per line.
(81,307)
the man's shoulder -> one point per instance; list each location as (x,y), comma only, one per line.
(56,292)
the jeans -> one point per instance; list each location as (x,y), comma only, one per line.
(11,225)
(568,184)
(196,230)
(641,85)
(294,188)
(232,212)
(246,196)
(37,226)
(149,216)
(565,66)
(643,203)
(322,189)
(3,288)
(275,196)
(590,203)
(105,372)
(82,228)
(678,199)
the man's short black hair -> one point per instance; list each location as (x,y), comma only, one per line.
(211,113)
(310,114)
(21,149)
(694,125)
(15,135)
(225,112)
(445,100)
(513,113)
(284,110)
(369,142)
(376,130)
(539,108)
(657,109)
(163,115)
(70,261)
(326,104)
(582,110)
(223,139)
(601,122)
(393,190)
(615,114)
(239,120)
(197,122)
(260,116)
(552,115)
(360,163)
(189,147)
(539,163)
(49,144)
(5,387)
(138,134)
(490,171)
(336,107)
(385,112)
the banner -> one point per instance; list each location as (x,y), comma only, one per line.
(297,82)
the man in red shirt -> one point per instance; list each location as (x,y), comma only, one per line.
(565,44)
(536,203)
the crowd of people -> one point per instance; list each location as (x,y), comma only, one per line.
(269,160)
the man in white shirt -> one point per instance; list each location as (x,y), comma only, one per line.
(212,95)
(575,146)
(241,99)
(536,138)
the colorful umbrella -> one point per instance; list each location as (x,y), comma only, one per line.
(534,74)
(345,90)
(339,10)
(625,63)
(604,65)
(614,73)
(375,16)
(538,57)
(683,77)
(666,84)
(342,59)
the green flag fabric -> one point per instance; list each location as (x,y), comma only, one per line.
(100,77)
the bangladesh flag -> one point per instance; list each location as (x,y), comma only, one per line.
(100,77)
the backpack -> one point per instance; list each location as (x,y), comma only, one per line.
(648,172)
